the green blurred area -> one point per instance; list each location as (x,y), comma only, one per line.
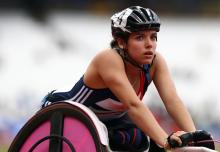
(4,148)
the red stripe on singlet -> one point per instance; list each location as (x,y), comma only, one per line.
(134,137)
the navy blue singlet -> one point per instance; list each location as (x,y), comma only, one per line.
(101,101)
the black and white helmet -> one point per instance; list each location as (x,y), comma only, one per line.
(135,19)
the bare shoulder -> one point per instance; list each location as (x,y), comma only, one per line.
(159,58)
(105,65)
(159,61)
(108,57)
(107,54)
(106,70)
(159,65)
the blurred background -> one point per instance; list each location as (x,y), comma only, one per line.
(47,44)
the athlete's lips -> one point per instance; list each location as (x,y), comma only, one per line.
(148,54)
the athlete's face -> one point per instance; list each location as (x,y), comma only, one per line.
(141,46)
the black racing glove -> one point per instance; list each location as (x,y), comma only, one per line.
(185,138)
(204,139)
(197,138)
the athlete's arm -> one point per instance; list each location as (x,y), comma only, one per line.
(111,69)
(174,105)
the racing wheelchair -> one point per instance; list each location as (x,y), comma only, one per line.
(71,127)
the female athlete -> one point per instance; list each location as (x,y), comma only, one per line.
(117,79)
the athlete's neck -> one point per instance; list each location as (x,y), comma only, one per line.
(131,69)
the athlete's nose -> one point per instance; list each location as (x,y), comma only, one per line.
(148,42)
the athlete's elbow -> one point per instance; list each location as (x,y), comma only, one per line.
(133,106)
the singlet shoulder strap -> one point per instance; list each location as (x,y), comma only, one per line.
(147,76)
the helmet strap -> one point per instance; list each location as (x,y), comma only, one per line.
(127,58)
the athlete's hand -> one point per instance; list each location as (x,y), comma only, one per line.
(174,140)
(197,138)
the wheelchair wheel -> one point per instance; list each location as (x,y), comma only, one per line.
(60,127)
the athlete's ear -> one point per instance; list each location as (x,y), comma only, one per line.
(121,43)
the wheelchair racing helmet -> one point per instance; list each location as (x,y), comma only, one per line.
(133,19)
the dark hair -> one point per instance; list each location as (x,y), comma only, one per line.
(118,33)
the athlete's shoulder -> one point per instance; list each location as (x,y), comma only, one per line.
(108,52)
(160,65)
(157,64)
(158,60)
(159,56)
(108,55)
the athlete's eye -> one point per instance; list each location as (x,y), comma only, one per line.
(139,37)
(154,36)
